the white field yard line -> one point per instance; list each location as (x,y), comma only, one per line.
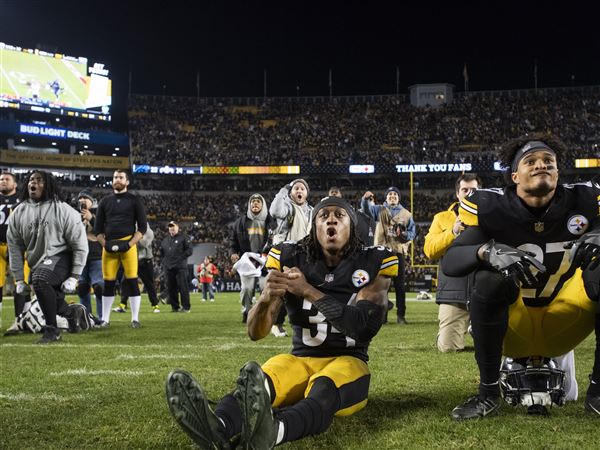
(86,372)
(223,346)
(45,396)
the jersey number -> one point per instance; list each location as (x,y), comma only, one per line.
(319,323)
(553,279)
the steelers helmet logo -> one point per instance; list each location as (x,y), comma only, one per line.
(48,262)
(115,248)
(577,224)
(360,277)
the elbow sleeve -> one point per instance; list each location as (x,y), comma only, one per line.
(360,322)
(460,260)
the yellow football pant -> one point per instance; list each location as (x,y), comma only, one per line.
(294,376)
(4,265)
(111,262)
(554,329)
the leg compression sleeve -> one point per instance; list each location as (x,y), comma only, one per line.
(312,415)
(490,299)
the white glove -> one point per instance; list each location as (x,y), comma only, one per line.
(69,285)
(21,287)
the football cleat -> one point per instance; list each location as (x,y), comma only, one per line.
(259,427)
(120,309)
(155,309)
(135,324)
(592,403)
(190,408)
(476,407)
(51,335)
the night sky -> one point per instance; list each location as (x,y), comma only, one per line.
(230,44)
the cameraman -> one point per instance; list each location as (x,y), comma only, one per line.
(395,229)
(91,277)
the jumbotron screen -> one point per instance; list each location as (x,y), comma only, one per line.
(35,80)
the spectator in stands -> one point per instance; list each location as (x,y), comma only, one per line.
(91,277)
(206,273)
(175,250)
(250,236)
(291,209)
(452,292)
(395,229)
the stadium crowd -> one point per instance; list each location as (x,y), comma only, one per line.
(380,130)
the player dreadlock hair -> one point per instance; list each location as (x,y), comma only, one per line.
(509,150)
(51,188)
(311,246)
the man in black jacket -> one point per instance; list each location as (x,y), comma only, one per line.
(174,251)
(250,235)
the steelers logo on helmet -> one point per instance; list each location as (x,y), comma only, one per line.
(577,224)
(360,277)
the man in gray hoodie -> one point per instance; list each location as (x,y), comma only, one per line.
(293,213)
(52,235)
(250,235)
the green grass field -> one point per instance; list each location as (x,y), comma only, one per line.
(19,70)
(105,389)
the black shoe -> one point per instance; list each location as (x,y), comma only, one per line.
(401,321)
(190,409)
(77,314)
(51,334)
(259,427)
(592,403)
(476,407)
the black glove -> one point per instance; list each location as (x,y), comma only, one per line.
(116,246)
(512,262)
(585,251)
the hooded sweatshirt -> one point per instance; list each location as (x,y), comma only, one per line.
(256,227)
(293,220)
(45,229)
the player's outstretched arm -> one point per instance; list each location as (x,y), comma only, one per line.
(263,314)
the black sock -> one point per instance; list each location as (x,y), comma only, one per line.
(594,388)
(228,410)
(489,321)
(302,419)
(20,300)
(312,415)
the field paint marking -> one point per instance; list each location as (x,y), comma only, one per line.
(155,356)
(64,82)
(21,396)
(229,345)
(127,373)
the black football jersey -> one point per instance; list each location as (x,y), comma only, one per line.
(574,209)
(7,205)
(313,335)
